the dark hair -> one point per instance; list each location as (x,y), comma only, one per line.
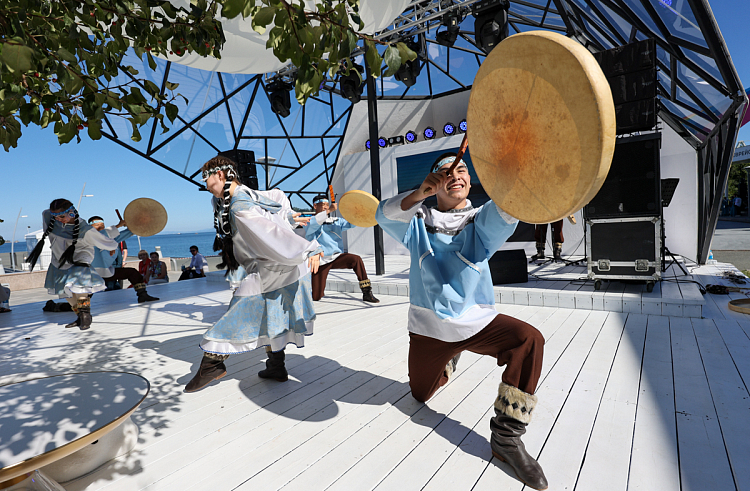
(223,241)
(95,217)
(443,156)
(67,257)
(194,247)
(321,197)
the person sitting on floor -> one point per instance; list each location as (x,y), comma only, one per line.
(195,269)
(157,272)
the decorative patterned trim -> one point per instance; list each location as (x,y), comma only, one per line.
(364,284)
(439,230)
(460,210)
(515,403)
(468,263)
(424,256)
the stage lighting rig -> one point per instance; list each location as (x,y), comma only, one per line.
(490,22)
(462,126)
(351,85)
(411,136)
(278,95)
(449,129)
(451,21)
(429,133)
(409,71)
(367,144)
(382,142)
(395,140)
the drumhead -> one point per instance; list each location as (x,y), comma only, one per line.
(145,217)
(358,208)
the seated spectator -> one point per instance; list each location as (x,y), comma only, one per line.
(195,269)
(4,299)
(157,271)
(144,264)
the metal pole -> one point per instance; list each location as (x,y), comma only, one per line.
(13,242)
(372,112)
(78,207)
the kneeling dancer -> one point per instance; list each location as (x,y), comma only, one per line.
(73,243)
(272,304)
(452,304)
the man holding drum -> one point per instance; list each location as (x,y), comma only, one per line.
(328,231)
(452,303)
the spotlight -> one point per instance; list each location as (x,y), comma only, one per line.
(382,142)
(411,137)
(462,126)
(351,85)
(448,37)
(490,23)
(429,133)
(449,129)
(409,71)
(395,140)
(367,144)
(278,94)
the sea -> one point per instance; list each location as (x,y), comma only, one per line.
(172,245)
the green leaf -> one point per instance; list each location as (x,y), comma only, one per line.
(373,59)
(392,58)
(171,86)
(66,55)
(262,18)
(136,137)
(16,57)
(65,131)
(232,8)
(95,129)
(405,52)
(73,83)
(171,111)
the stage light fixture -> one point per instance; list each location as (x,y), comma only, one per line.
(382,142)
(429,133)
(351,85)
(462,126)
(278,95)
(408,72)
(411,137)
(395,140)
(449,129)
(367,144)
(490,22)
(450,21)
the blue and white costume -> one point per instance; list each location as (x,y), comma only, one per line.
(451,296)
(329,232)
(272,306)
(104,262)
(79,278)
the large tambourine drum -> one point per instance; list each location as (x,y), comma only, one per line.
(145,217)
(358,208)
(541,126)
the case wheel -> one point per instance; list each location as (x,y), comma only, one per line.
(649,286)
(598,285)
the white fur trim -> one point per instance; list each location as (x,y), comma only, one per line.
(515,403)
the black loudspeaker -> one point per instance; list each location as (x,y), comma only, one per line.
(631,73)
(245,160)
(509,267)
(633,185)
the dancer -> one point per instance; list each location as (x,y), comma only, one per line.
(452,304)
(272,306)
(328,231)
(104,261)
(73,243)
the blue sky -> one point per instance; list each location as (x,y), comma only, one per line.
(40,169)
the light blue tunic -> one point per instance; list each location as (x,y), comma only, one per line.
(103,262)
(329,233)
(450,287)
(272,306)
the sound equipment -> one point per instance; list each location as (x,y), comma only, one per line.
(245,160)
(633,186)
(542,126)
(508,267)
(631,74)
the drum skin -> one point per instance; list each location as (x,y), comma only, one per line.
(145,217)
(358,208)
(541,125)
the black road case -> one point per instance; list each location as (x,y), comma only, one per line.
(624,249)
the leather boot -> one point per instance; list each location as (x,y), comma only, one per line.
(367,295)
(557,251)
(143,296)
(209,370)
(513,409)
(76,322)
(275,368)
(84,317)
(539,256)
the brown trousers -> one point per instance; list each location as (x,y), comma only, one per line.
(344,261)
(516,344)
(540,232)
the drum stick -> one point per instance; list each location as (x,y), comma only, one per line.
(461,151)
(118,214)
(330,192)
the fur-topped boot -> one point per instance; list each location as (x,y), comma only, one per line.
(557,252)
(83,310)
(367,295)
(513,409)
(539,256)
(143,296)
(275,368)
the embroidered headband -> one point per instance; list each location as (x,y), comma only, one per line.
(70,212)
(96,221)
(228,170)
(446,160)
(320,200)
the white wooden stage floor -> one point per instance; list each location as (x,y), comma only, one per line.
(626,400)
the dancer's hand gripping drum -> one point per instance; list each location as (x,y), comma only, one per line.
(541,126)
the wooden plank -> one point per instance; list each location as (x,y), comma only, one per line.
(608,450)
(703,456)
(730,398)
(654,462)
(737,341)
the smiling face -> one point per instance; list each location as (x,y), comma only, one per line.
(154,257)
(452,194)
(321,206)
